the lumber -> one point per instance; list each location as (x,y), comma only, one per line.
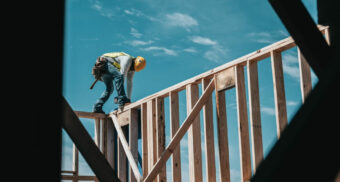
(174,122)
(243,130)
(180,132)
(85,144)
(194,137)
(208,126)
(279,92)
(255,114)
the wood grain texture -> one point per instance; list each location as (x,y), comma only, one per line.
(255,114)
(243,128)
(194,137)
(209,146)
(222,136)
(279,92)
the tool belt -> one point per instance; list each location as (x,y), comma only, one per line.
(99,68)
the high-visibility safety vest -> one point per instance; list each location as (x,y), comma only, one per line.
(113,55)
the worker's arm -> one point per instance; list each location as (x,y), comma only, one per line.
(125,64)
(129,83)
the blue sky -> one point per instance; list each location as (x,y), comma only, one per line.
(179,39)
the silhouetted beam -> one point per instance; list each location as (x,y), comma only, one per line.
(304,31)
(86,146)
(308,149)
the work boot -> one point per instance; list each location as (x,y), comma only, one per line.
(98,109)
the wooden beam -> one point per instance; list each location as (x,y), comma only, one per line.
(255,114)
(174,122)
(160,132)
(97,131)
(82,178)
(75,163)
(194,136)
(85,144)
(133,140)
(144,125)
(103,136)
(180,132)
(90,115)
(305,76)
(110,143)
(222,136)
(125,146)
(243,129)
(121,163)
(225,79)
(279,92)
(209,136)
(151,107)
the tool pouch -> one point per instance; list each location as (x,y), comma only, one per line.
(99,68)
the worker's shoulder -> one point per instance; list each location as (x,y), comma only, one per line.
(116,54)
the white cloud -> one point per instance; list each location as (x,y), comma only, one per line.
(191,50)
(267,37)
(162,49)
(261,37)
(292,103)
(202,40)
(135,12)
(139,42)
(106,12)
(180,20)
(268,110)
(216,54)
(134,32)
(290,66)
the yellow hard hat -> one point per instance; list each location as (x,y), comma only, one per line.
(139,63)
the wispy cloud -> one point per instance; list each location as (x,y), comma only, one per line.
(160,50)
(267,37)
(202,40)
(134,32)
(138,42)
(216,53)
(138,13)
(292,103)
(191,50)
(268,110)
(261,37)
(180,20)
(290,66)
(106,12)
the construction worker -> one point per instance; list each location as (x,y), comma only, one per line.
(116,67)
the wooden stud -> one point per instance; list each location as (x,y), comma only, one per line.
(75,166)
(194,137)
(97,132)
(103,136)
(209,136)
(151,107)
(122,132)
(133,140)
(222,136)
(121,165)
(144,125)
(243,124)
(110,141)
(160,127)
(279,92)
(180,132)
(255,114)
(174,122)
(305,76)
